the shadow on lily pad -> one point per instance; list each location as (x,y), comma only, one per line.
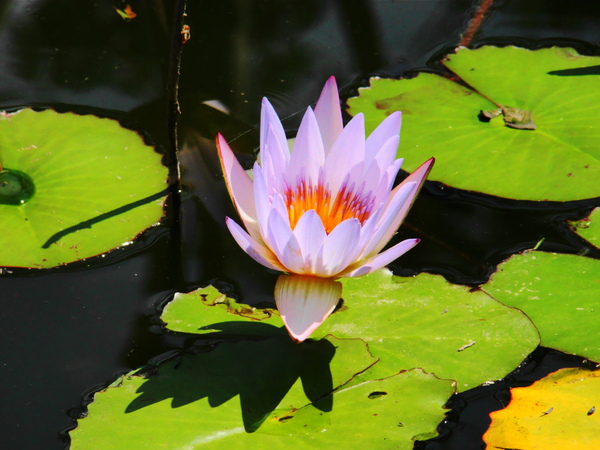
(260,372)
(258,329)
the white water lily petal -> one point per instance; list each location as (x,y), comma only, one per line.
(389,215)
(382,259)
(339,248)
(386,129)
(279,205)
(278,233)
(270,124)
(418,176)
(311,235)
(292,257)
(239,185)
(260,253)
(329,114)
(387,154)
(273,162)
(308,155)
(304,302)
(347,151)
(261,201)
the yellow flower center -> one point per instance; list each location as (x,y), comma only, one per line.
(346,205)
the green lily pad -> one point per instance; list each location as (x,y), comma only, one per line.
(206,310)
(560,295)
(551,90)
(407,322)
(589,228)
(72,187)
(191,402)
(426,322)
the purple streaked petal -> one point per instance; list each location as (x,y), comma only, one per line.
(388,218)
(329,114)
(339,249)
(386,129)
(382,259)
(260,253)
(346,153)
(270,124)
(304,302)
(418,177)
(240,186)
(311,235)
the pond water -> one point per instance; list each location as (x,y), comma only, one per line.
(72,330)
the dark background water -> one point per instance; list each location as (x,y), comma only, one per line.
(71,330)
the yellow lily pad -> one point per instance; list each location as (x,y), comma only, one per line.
(556,412)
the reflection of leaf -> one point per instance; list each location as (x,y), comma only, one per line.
(559,160)
(408,322)
(557,412)
(97,186)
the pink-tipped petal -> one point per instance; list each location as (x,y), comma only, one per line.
(239,185)
(256,250)
(270,124)
(389,216)
(329,114)
(383,259)
(418,177)
(307,156)
(304,302)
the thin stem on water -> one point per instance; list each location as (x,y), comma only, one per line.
(475,22)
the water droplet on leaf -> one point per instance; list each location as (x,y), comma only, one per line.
(16,187)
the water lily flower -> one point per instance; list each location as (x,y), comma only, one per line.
(323,211)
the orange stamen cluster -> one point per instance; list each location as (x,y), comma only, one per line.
(346,205)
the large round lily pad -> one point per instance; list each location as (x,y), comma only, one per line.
(93,186)
(555,413)
(554,90)
(421,322)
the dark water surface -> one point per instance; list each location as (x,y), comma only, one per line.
(71,330)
